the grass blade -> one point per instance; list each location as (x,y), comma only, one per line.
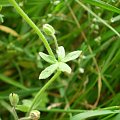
(92,113)
(101,20)
(11,82)
(104,5)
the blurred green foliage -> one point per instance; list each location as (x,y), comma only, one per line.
(76,29)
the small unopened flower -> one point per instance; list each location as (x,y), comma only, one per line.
(48,29)
(14,99)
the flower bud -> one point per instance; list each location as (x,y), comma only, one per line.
(48,29)
(34,115)
(14,99)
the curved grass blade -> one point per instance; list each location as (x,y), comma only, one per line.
(104,5)
(96,16)
(93,113)
(12,82)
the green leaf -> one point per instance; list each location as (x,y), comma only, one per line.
(25,106)
(47,58)
(22,108)
(48,71)
(27,102)
(71,56)
(61,52)
(104,5)
(92,113)
(42,101)
(64,67)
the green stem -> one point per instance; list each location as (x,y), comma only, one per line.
(31,23)
(8,107)
(38,95)
(15,114)
(62,110)
(55,41)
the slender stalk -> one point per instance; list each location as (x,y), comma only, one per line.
(8,107)
(38,95)
(55,41)
(15,114)
(31,23)
(78,110)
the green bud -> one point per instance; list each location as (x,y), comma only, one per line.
(14,99)
(48,29)
(34,115)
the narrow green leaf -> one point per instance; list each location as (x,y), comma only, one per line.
(71,56)
(48,71)
(92,113)
(11,82)
(64,67)
(104,5)
(47,58)
(61,52)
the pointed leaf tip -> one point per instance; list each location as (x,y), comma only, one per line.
(71,56)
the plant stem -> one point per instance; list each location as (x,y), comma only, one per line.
(8,107)
(38,95)
(15,114)
(62,110)
(55,41)
(31,23)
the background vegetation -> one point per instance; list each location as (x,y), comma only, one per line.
(92,26)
